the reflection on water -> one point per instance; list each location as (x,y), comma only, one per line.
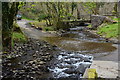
(71,43)
(64,63)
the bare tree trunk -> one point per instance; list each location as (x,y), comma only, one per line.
(115,9)
(8,14)
(78,14)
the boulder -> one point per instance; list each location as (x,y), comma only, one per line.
(97,20)
(82,67)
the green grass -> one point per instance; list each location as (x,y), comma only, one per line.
(23,17)
(115,19)
(89,26)
(38,24)
(109,31)
(19,37)
(50,28)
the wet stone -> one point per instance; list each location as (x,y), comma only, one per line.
(30,62)
(19,63)
(41,62)
(9,64)
(34,55)
(87,59)
(70,71)
(37,65)
(70,63)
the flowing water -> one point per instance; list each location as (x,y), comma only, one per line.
(70,64)
(83,46)
(81,41)
(77,50)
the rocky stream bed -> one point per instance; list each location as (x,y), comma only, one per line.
(38,59)
(60,57)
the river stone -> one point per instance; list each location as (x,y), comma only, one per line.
(71,61)
(65,66)
(30,62)
(14,71)
(45,60)
(41,62)
(70,71)
(45,46)
(34,55)
(36,67)
(38,72)
(42,57)
(9,64)
(81,68)
(39,65)
(76,56)
(86,59)
(39,44)
(47,53)
(54,46)
(64,54)
(19,63)
(70,66)
(22,70)
(33,65)
(36,51)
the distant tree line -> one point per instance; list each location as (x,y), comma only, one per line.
(52,12)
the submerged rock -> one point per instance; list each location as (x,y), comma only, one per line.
(36,58)
(70,71)
(70,64)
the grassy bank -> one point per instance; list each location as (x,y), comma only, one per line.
(23,17)
(18,36)
(109,31)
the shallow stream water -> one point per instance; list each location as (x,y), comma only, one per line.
(81,41)
(77,51)
(83,45)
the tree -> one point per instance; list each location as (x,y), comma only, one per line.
(115,9)
(58,11)
(74,6)
(9,11)
(93,7)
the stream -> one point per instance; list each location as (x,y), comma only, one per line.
(77,49)
(80,40)
(83,46)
